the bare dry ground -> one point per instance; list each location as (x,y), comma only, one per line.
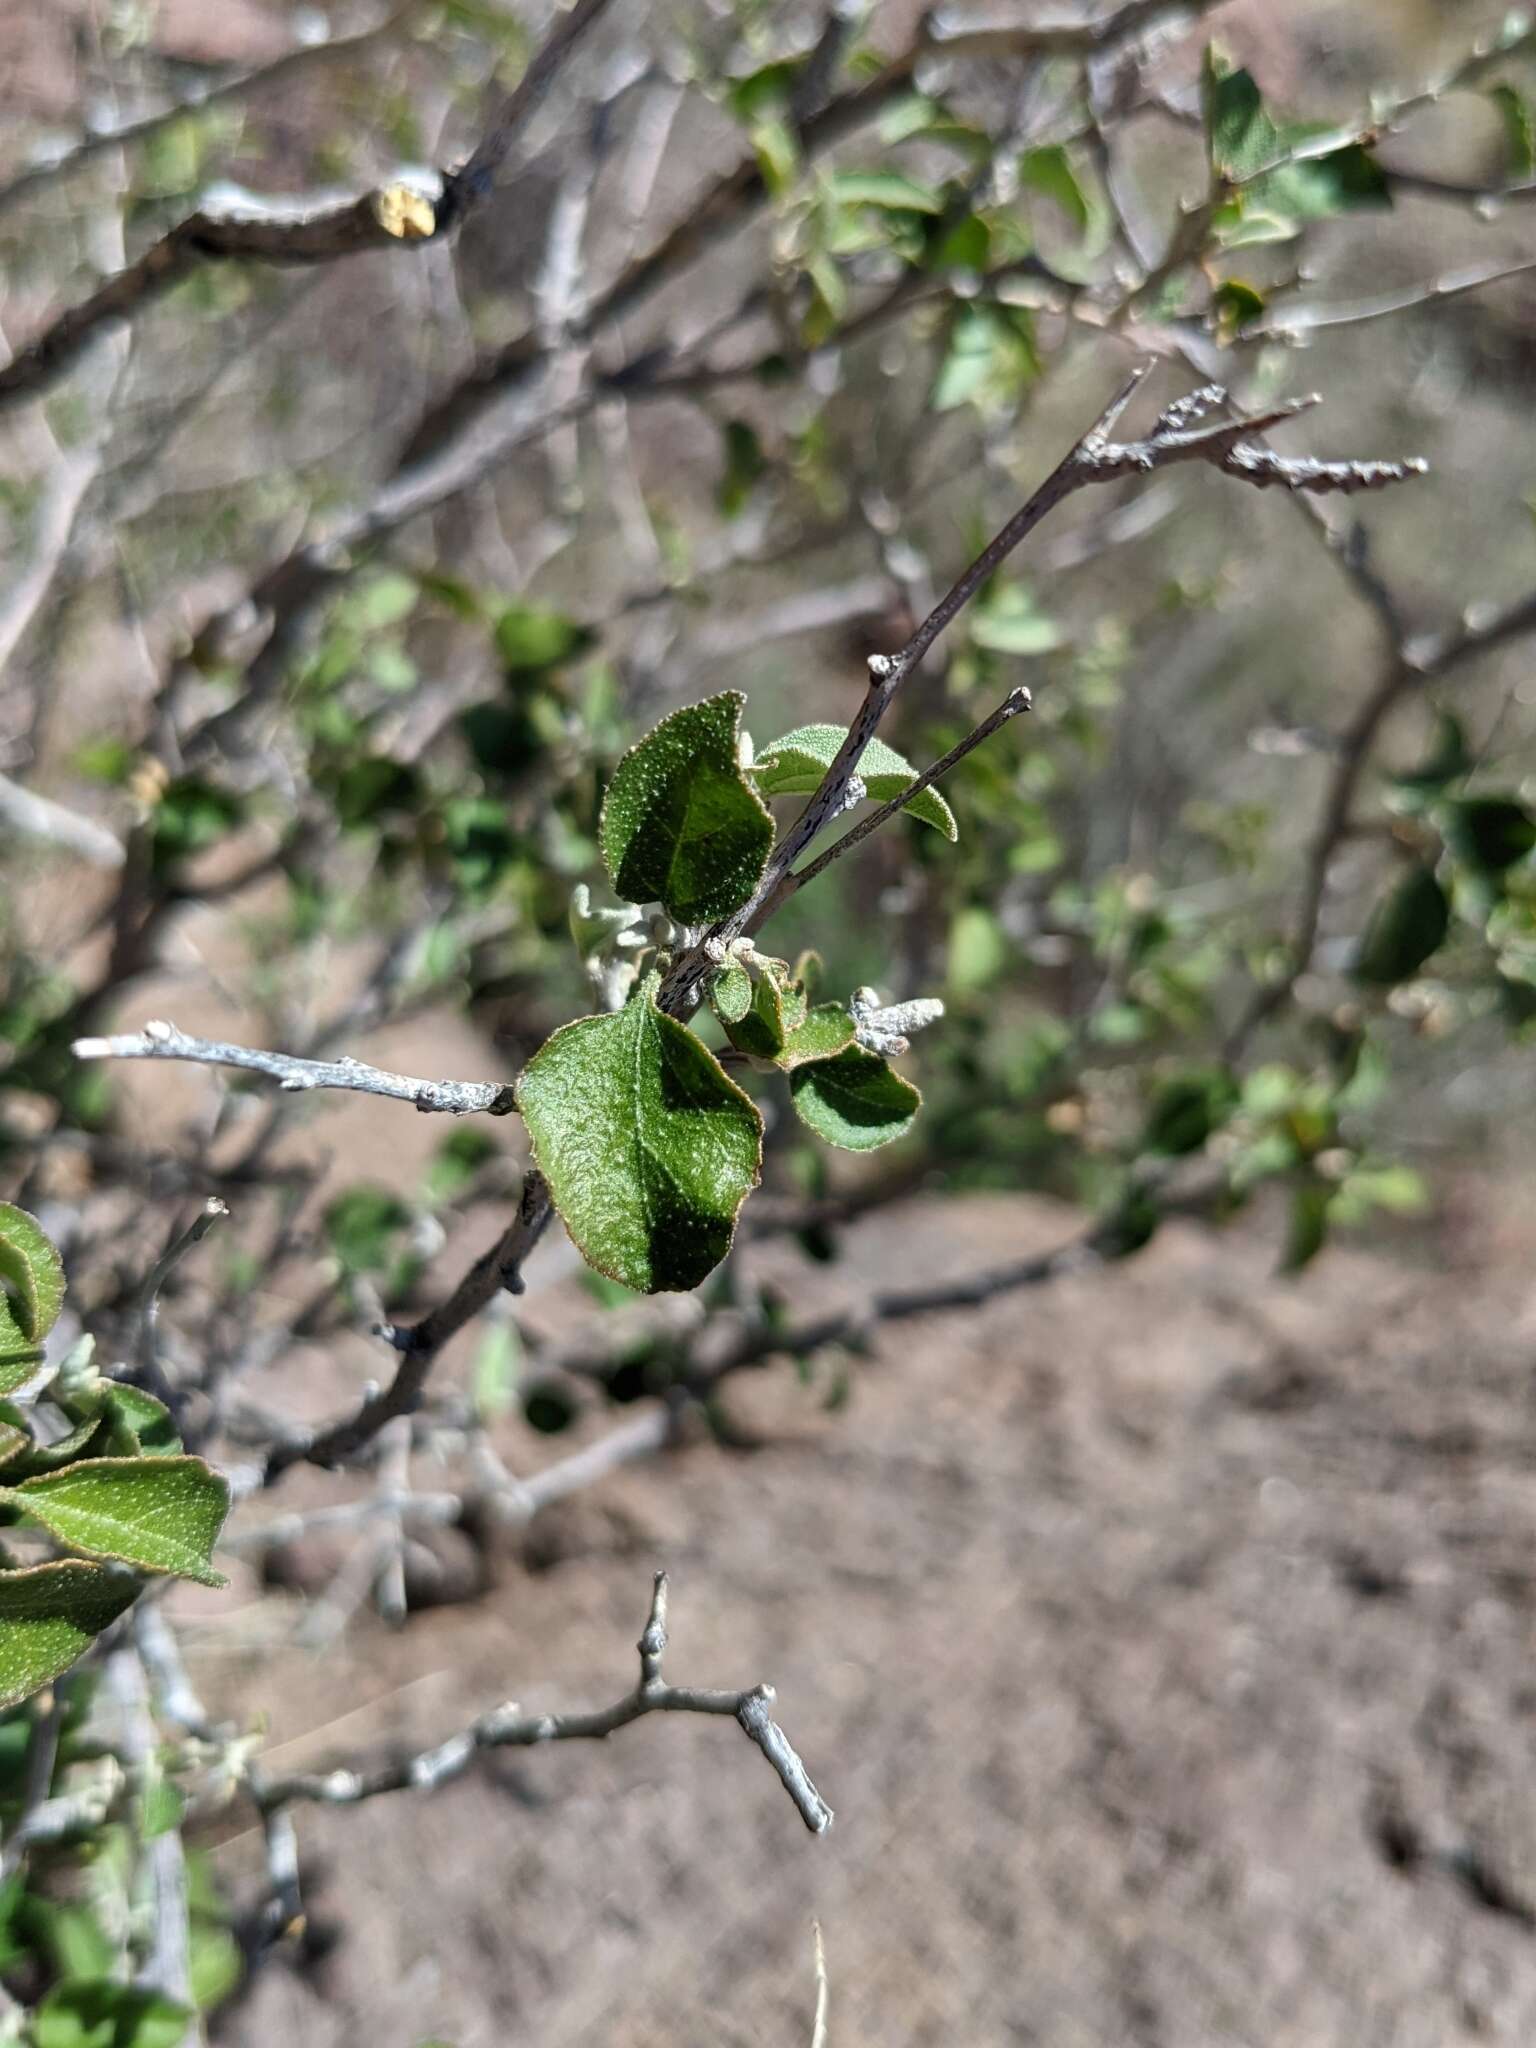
(1162,1638)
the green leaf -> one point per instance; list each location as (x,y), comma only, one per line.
(1489,833)
(158,1514)
(825,1032)
(730,995)
(1276,185)
(362,1225)
(649,1149)
(1010,622)
(1307,1232)
(978,951)
(760,1031)
(101,2013)
(795,764)
(745,464)
(1448,760)
(147,1420)
(190,816)
(1519,133)
(530,638)
(1187,1109)
(681,826)
(1051,171)
(887,190)
(1234,304)
(49,1615)
(31,1288)
(1408,925)
(990,360)
(857,1101)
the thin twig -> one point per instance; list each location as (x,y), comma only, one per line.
(162,1041)
(506,1727)
(1182,434)
(420,1343)
(32,816)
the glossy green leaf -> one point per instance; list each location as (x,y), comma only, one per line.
(795,764)
(730,994)
(49,1615)
(648,1147)
(102,2013)
(681,826)
(157,1514)
(1406,927)
(31,1285)
(857,1101)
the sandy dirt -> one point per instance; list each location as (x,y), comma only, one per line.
(1162,1638)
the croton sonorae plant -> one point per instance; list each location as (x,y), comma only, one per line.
(649,1147)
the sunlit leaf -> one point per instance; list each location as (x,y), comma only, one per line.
(157,1514)
(795,764)
(648,1147)
(681,825)
(857,1101)
(49,1615)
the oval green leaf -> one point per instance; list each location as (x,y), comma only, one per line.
(795,764)
(31,1284)
(1407,926)
(648,1147)
(49,1615)
(857,1101)
(824,1033)
(158,1514)
(681,826)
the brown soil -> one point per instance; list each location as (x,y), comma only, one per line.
(1163,1640)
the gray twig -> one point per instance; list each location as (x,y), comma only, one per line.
(507,1727)
(162,1041)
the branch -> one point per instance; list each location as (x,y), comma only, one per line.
(505,1727)
(1182,434)
(392,217)
(197,101)
(162,1041)
(419,1343)
(32,816)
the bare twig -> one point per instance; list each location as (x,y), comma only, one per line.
(506,1727)
(819,2024)
(1179,436)
(148,1370)
(32,816)
(162,1041)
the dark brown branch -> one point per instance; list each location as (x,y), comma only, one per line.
(393,217)
(419,1343)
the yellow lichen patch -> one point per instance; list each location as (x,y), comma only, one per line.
(408,216)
